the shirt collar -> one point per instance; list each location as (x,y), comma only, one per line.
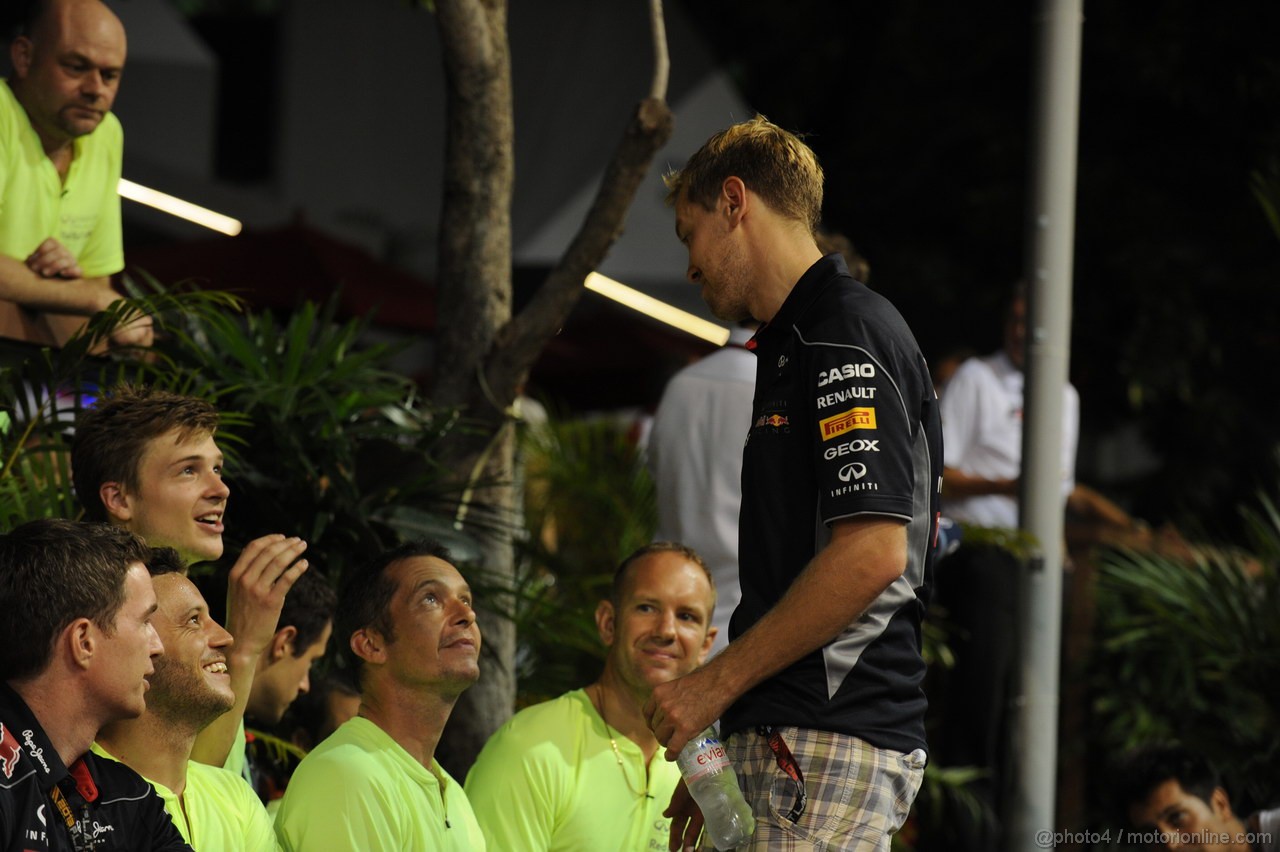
(24,747)
(812,283)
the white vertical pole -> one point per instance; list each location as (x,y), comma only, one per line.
(1052,233)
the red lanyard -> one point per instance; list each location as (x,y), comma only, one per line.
(787,763)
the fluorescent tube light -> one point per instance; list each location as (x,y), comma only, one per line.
(657,309)
(177,207)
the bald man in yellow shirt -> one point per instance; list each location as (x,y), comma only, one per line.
(60,162)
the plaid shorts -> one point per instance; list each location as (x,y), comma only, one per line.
(858,795)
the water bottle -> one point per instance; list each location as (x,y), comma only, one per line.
(714,786)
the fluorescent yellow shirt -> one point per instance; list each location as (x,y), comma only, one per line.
(218,812)
(237,762)
(83,213)
(359,791)
(549,780)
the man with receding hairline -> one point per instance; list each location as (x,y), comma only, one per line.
(583,771)
(60,161)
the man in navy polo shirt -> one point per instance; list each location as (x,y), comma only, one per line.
(819,690)
(76,649)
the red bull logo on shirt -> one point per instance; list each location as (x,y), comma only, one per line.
(847,421)
(775,420)
(9,751)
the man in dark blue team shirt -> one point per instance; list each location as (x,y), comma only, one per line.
(76,648)
(819,690)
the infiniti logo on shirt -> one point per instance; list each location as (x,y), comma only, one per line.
(853,470)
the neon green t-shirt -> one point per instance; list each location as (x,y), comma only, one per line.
(549,780)
(359,791)
(237,762)
(83,214)
(218,812)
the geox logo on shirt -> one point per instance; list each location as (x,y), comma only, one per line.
(847,421)
(9,751)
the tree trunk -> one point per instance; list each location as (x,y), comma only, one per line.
(474,302)
(484,354)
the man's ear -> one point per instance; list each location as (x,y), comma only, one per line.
(116,502)
(21,54)
(80,642)
(282,643)
(1220,803)
(734,199)
(605,617)
(368,644)
(706,644)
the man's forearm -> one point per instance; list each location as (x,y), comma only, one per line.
(80,296)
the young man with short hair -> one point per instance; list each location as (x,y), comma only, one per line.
(212,807)
(374,785)
(284,669)
(76,649)
(283,673)
(146,460)
(1175,800)
(840,486)
(583,771)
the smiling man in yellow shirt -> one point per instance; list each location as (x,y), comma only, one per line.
(583,771)
(215,810)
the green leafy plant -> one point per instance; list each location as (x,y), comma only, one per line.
(334,446)
(590,502)
(42,391)
(1186,650)
(323,439)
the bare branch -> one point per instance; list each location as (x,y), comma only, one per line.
(661,59)
(518,344)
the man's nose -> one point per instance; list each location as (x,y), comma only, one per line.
(666,627)
(218,488)
(92,85)
(464,614)
(221,637)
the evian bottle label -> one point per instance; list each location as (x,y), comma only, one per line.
(707,757)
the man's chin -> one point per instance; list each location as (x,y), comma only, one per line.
(205,552)
(77,127)
(726,313)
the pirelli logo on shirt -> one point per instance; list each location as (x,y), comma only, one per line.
(847,421)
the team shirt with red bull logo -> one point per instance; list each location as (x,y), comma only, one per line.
(844,424)
(95,806)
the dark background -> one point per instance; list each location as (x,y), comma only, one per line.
(920,114)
